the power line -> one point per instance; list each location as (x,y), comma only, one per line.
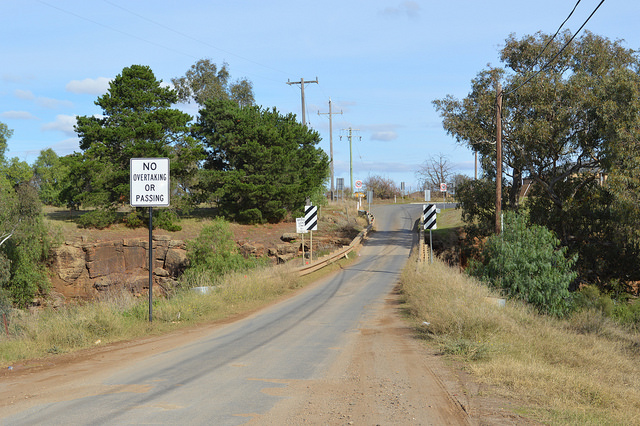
(152,42)
(190,37)
(557,54)
(114,29)
(557,32)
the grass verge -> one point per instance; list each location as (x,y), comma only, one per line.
(119,316)
(582,370)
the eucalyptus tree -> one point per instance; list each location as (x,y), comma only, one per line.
(570,120)
(205,81)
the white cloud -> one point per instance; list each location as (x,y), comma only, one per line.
(63,123)
(89,86)
(18,115)
(24,94)
(15,78)
(387,135)
(50,103)
(67,146)
(410,9)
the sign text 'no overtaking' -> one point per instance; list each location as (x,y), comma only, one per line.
(149,182)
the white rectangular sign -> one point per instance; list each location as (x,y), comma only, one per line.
(149,182)
(300,227)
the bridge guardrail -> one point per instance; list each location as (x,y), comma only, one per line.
(339,253)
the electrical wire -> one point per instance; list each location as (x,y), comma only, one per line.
(555,35)
(557,54)
(190,37)
(114,29)
(155,43)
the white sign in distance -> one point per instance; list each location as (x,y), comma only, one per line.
(149,185)
(301,228)
(358,184)
(443,187)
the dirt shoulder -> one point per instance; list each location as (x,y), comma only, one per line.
(386,376)
(383,375)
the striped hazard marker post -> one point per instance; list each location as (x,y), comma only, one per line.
(429,221)
(311,224)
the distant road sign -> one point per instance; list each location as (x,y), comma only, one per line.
(358,184)
(443,187)
(149,186)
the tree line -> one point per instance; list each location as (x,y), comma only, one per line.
(255,164)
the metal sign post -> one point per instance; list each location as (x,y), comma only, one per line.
(149,187)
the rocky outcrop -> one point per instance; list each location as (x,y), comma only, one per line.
(86,270)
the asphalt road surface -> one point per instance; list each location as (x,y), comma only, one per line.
(223,375)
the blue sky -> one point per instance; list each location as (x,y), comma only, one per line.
(382,62)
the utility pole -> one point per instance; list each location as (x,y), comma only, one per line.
(498,158)
(330,140)
(302,83)
(350,155)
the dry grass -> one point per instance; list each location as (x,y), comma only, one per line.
(119,316)
(584,370)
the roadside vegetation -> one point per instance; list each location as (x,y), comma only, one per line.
(119,316)
(581,369)
(510,321)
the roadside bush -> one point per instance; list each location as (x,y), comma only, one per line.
(214,253)
(98,219)
(526,262)
(27,253)
(628,313)
(589,297)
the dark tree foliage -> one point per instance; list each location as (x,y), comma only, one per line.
(260,165)
(137,122)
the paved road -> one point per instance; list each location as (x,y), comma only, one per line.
(220,378)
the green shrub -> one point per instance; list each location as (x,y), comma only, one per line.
(214,253)
(526,262)
(98,219)
(166,219)
(589,297)
(250,217)
(5,303)
(134,219)
(627,313)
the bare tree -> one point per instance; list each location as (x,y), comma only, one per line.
(435,170)
(382,188)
